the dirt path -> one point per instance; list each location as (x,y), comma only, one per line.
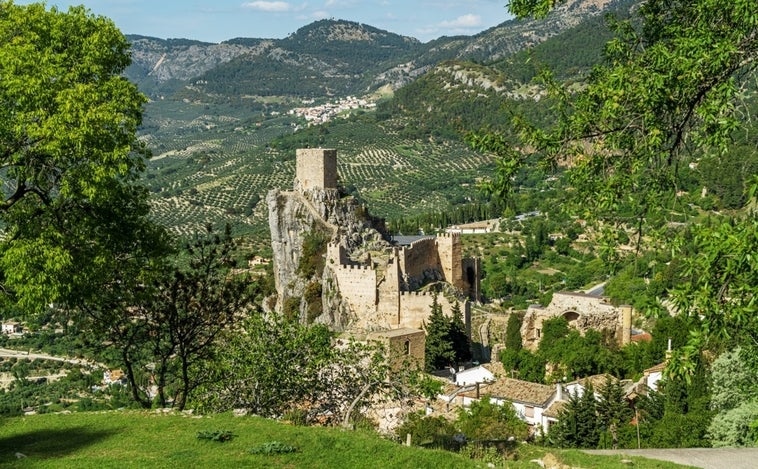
(706,458)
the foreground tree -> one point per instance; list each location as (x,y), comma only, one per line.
(735,399)
(486,420)
(613,411)
(577,425)
(669,88)
(191,307)
(277,368)
(669,91)
(71,210)
(163,321)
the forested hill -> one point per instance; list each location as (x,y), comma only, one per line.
(329,57)
(463,95)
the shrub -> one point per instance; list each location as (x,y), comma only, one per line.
(215,435)
(273,447)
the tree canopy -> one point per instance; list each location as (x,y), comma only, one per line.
(670,87)
(673,89)
(70,209)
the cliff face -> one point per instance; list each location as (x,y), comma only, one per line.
(301,223)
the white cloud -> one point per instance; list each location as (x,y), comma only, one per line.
(464,21)
(263,5)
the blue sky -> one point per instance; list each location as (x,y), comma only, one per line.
(219,20)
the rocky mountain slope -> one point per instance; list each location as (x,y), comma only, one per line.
(331,57)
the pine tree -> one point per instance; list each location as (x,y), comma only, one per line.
(612,410)
(457,335)
(439,351)
(577,425)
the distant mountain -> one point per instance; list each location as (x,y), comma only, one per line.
(329,57)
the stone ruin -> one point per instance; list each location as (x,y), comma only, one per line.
(583,312)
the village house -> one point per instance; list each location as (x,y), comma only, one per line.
(12,327)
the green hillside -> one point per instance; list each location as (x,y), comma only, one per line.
(129,439)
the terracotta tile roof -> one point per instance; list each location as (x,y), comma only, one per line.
(642,337)
(554,410)
(516,390)
(656,368)
(597,381)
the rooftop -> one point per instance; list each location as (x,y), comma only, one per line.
(516,390)
(402,240)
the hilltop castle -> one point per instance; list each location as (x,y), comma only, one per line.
(368,282)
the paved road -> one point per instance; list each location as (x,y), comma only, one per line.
(597,290)
(4,352)
(706,458)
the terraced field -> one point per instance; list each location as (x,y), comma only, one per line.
(216,165)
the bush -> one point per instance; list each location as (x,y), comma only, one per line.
(273,447)
(216,435)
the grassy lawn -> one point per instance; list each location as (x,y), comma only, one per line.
(155,439)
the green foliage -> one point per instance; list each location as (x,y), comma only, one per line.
(273,447)
(70,156)
(312,258)
(513,332)
(446,340)
(428,431)
(719,287)
(312,296)
(485,420)
(735,380)
(613,412)
(735,399)
(577,425)
(215,435)
(267,369)
(164,319)
(274,366)
(736,426)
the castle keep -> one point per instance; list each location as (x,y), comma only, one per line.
(368,283)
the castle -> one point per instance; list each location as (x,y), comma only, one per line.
(368,283)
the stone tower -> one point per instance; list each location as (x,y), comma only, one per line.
(316,168)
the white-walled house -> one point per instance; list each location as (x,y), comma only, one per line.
(529,400)
(12,327)
(477,374)
(652,375)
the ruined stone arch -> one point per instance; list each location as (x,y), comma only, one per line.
(571,317)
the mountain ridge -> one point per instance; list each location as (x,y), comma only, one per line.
(333,57)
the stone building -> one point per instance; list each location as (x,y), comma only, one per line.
(583,312)
(405,347)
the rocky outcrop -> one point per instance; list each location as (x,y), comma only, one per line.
(295,215)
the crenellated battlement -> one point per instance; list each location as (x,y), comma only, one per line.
(453,235)
(420,242)
(415,293)
(355,267)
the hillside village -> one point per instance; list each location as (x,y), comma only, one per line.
(323,113)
